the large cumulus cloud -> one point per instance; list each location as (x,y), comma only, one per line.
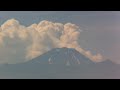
(36,39)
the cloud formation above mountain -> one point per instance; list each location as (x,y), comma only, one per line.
(37,39)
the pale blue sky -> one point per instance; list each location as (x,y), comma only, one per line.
(101,29)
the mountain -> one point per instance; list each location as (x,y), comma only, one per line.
(61,63)
(64,56)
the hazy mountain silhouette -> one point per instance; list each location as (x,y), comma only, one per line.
(61,63)
(63,56)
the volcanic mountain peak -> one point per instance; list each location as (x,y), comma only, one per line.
(66,56)
(62,63)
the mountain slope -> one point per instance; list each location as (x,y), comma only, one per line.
(62,56)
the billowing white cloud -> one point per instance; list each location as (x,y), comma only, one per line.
(40,38)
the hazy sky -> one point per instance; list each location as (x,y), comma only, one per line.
(100,29)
